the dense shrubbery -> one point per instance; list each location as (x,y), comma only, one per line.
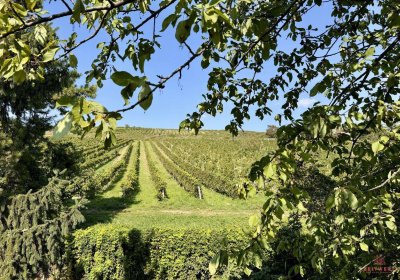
(112,252)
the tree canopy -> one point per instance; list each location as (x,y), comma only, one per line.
(352,64)
(36,211)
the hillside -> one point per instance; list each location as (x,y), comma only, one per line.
(212,160)
(175,184)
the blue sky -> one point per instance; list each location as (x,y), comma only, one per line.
(180,96)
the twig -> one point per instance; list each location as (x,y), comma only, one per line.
(88,38)
(18,16)
(68,7)
(386,181)
(188,47)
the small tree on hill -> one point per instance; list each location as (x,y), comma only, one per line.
(271,131)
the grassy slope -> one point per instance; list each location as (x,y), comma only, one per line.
(143,210)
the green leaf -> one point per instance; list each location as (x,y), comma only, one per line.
(30,4)
(269,170)
(73,61)
(247,271)
(384,139)
(19,76)
(391,225)
(143,6)
(40,33)
(214,2)
(145,93)
(96,106)
(126,94)
(79,8)
(19,9)
(257,261)
(214,264)
(210,17)
(254,220)
(168,20)
(50,54)
(330,202)
(115,115)
(223,16)
(183,31)
(107,139)
(319,87)
(65,101)
(364,246)
(370,51)
(63,126)
(205,62)
(122,78)
(113,123)
(377,147)
(352,199)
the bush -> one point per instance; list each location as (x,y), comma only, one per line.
(115,252)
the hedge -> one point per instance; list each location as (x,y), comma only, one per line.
(115,252)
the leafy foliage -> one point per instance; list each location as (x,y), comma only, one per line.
(352,63)
(36,209)
(110,252)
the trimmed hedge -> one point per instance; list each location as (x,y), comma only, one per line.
(115,252)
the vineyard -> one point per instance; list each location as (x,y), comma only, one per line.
(314,196)
(163,172)
(175,184)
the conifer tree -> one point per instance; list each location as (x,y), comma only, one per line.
(36,213)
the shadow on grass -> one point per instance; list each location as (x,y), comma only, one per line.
(103,209)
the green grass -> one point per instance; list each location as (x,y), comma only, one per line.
(143,210)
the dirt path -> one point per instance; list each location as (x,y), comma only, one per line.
(202,212)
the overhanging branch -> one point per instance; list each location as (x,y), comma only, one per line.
(163,81)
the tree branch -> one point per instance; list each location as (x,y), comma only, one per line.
(88,38)
(268,31)
(66,5)
(364,75)
(163,80)
(386,181)
(64,14)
